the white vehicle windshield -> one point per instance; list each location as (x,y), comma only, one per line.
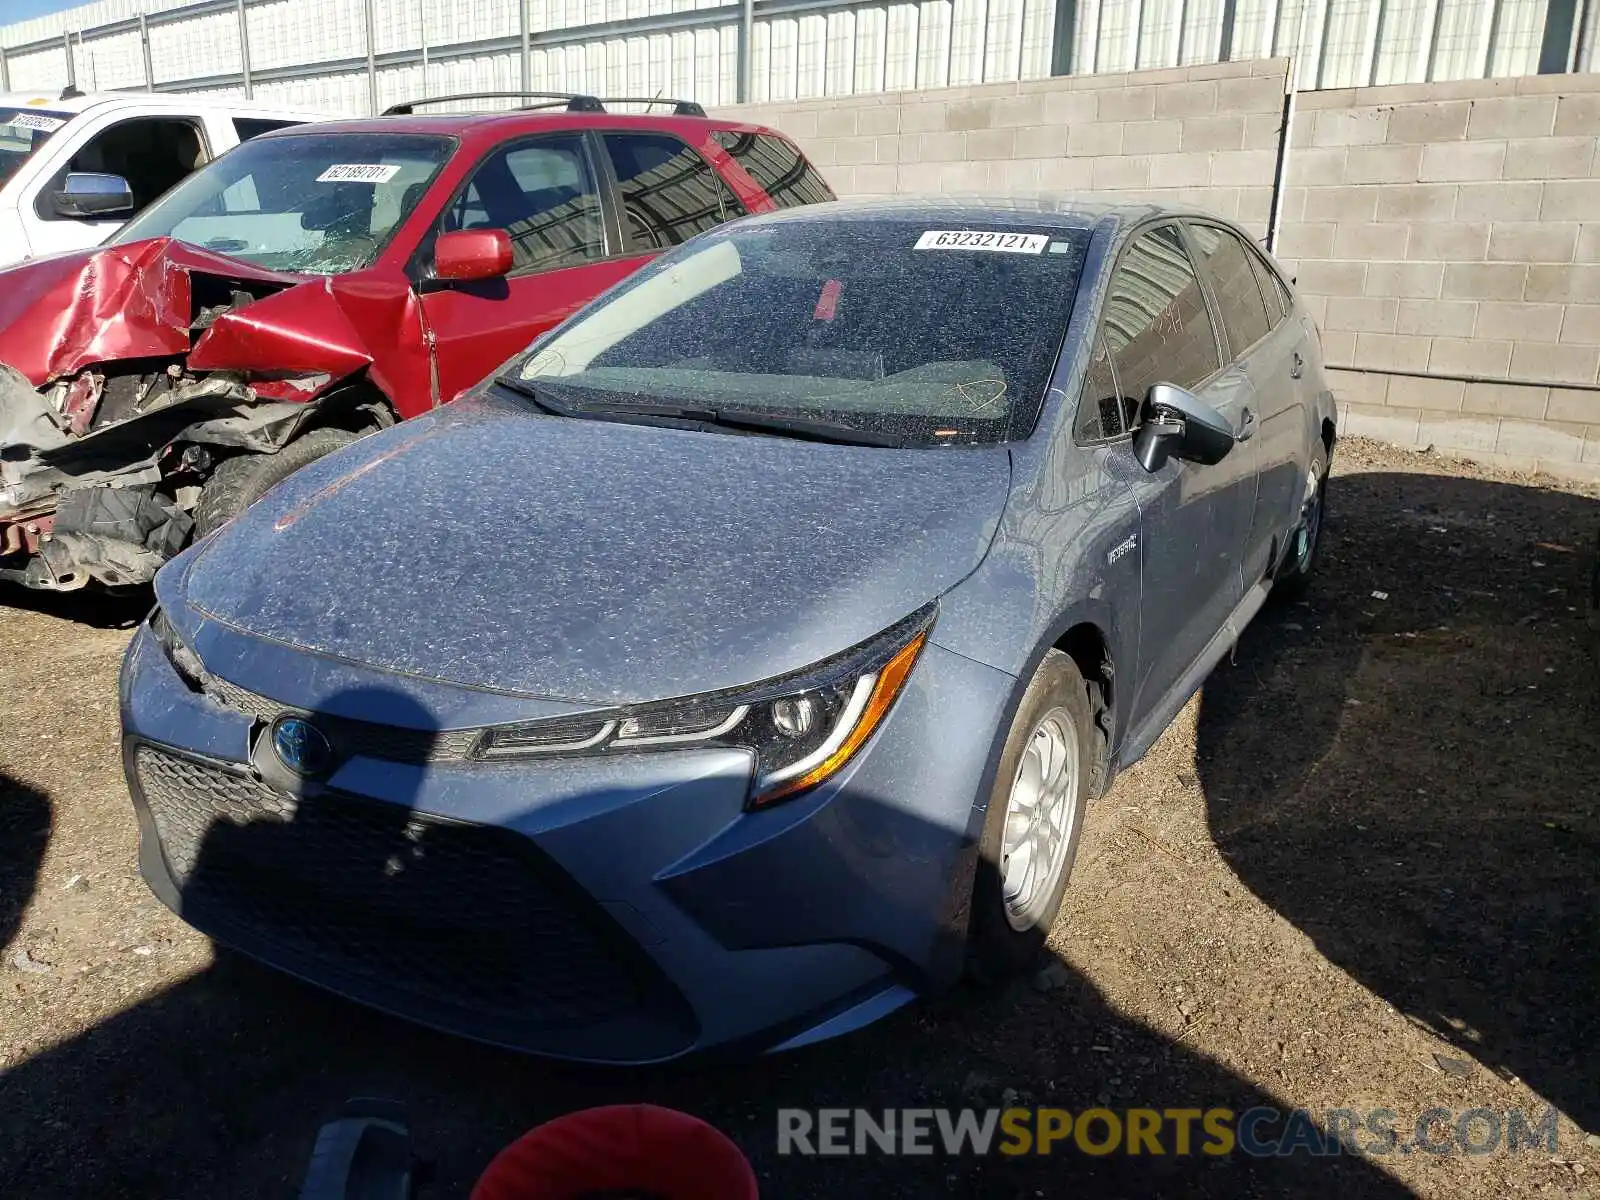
(22,132)
(307,203)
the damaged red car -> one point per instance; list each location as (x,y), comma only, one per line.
(319,283)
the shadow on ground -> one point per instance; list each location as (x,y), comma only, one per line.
(1433,838)
(1407,772)
(216,1087)
(94,606)
(24,836)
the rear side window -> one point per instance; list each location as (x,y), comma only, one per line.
(669,193)
(1226,262)
(544,196)
(777,167)
(1274,289)
(1271,291)
(249,127)
(1156,325)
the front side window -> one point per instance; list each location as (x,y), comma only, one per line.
(1102,411)
(23,131)
(777,167)
(543,195)
(1227,264)
(314,204)
(669,193)
(871,323)
(1156,325)
(151,153)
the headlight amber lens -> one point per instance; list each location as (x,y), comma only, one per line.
(802,729)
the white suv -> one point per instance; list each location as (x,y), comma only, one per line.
(74,167)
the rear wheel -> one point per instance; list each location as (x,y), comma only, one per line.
(1049,769)
(238,483)
(1294,577)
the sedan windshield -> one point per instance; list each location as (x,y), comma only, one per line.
(924,336)
(308,203)
(22,132)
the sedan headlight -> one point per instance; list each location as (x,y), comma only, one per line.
(802,728)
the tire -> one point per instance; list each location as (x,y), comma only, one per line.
(239,482)
(1293,579)
(1011,917)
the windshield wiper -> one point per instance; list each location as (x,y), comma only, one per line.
(540,398)
(810,429)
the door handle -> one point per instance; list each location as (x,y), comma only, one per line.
(1247,426)
(1297,366)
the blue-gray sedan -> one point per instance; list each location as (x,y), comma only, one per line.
(739,664)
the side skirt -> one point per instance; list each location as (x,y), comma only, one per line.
(1144,735)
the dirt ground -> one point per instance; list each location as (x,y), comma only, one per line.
(1362,870)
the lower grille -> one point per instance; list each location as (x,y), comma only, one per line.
(398,908)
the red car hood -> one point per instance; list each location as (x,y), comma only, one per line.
(68,311)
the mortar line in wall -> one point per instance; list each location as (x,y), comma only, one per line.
(1450,377)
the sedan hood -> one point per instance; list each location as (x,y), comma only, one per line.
(597,562)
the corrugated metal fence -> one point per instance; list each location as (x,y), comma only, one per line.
(352,56)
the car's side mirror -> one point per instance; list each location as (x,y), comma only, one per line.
(86,195)
(1178,424)
(469,255)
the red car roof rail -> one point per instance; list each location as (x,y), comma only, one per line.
(573,101)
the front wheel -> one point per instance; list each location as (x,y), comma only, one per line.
(238,483)
(1049,769)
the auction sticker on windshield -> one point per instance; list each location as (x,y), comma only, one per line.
(969,239)
(37,121)
(359,173)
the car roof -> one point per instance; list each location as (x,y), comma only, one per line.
(52,101)
(497,126)
(1059,213)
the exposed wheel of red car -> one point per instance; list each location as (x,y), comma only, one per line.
(1052,765)
(238,483)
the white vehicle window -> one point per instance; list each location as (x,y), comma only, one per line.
(151,153)
(22,132)
(310,203)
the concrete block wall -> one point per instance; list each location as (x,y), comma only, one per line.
(1202,135)
(1447,237)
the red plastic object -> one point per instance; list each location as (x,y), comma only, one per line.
(467,255)
(620,1149)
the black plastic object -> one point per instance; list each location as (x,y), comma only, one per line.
(1178,424)
(363,1154)
(574,102)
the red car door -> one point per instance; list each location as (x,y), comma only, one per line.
(545,193)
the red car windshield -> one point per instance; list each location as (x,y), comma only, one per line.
(307,203)
(22,132)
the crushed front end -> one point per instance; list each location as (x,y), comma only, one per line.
(126,376)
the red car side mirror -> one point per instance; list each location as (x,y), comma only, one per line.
(471,254)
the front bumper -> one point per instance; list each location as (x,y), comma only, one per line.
(612,909)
